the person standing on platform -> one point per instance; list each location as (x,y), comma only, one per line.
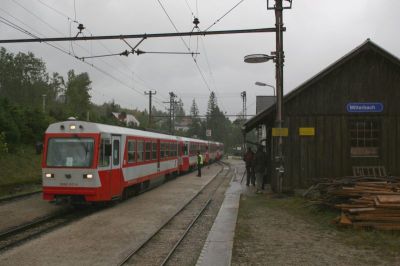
(249,161)
(199,163)
(260,162)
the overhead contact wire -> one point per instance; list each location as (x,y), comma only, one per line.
(13,25)
(218,20)
(144,83)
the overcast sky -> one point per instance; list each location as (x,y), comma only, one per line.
(318,33)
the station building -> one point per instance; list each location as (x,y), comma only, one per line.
(344,121)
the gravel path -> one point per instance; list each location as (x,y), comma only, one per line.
(275,237)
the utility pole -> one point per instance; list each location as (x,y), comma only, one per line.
(150,93)
(279,86)
(279,60)
(171,111)
(243,95)
(244,111)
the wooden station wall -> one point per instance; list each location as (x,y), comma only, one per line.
(366,76)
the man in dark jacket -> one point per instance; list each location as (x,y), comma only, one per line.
(249,160)
(260,162)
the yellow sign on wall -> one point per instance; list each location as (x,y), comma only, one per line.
(307,131)
(280,132)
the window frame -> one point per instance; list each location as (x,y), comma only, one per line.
(130,151)
(365,137)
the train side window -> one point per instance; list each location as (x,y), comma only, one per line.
(161,150)
(148,150)
(115,152)
(166,152)
(185,149)
(131,151)
(176,149)
(154,151)
(140,148)
(103,159)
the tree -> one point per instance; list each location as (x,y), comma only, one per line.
(195,129)
(212,104)
(77,94)
(23,78)
(194,110)
(179,111)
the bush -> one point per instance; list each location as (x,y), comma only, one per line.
(3,144)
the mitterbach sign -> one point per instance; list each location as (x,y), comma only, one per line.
(364,107)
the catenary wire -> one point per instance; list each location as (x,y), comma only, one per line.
(218,20)
(83,48)
(126,74)
(19,28)
(195,61)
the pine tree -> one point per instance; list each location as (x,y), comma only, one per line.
(194,110)
(179,111)
(195,126)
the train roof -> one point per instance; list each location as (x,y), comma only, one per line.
(90,127)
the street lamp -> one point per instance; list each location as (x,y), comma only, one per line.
(258,58)
(258,83)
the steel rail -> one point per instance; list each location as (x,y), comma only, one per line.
(65,217)
(185,233)
(26,226)
(194,220)
(139,36)
(134,251)
(19,196)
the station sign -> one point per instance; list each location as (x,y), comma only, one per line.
(280,132)
(307,131)
(364,107)
(208,133)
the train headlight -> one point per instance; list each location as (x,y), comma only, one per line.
(48,175)
(72,127)
(88,176)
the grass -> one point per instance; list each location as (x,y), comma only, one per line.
(385,242)
(20,172)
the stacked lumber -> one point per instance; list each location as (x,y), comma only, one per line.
(364,203)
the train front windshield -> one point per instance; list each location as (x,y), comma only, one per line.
(70,152)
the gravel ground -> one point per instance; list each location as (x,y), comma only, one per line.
(24,210)
(105,237)
(270,236)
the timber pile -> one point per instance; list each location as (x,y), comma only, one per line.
(364,202)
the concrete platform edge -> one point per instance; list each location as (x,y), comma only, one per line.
(217,249)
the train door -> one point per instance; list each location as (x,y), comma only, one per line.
(158,155)
(116,172)
(185,156)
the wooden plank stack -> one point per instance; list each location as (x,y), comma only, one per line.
(364,202)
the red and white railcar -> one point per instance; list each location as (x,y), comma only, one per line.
(84,161)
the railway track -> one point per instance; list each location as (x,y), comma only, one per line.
(163,244)
(19,196)
(22,233)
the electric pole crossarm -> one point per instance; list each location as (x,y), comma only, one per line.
(137,36)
